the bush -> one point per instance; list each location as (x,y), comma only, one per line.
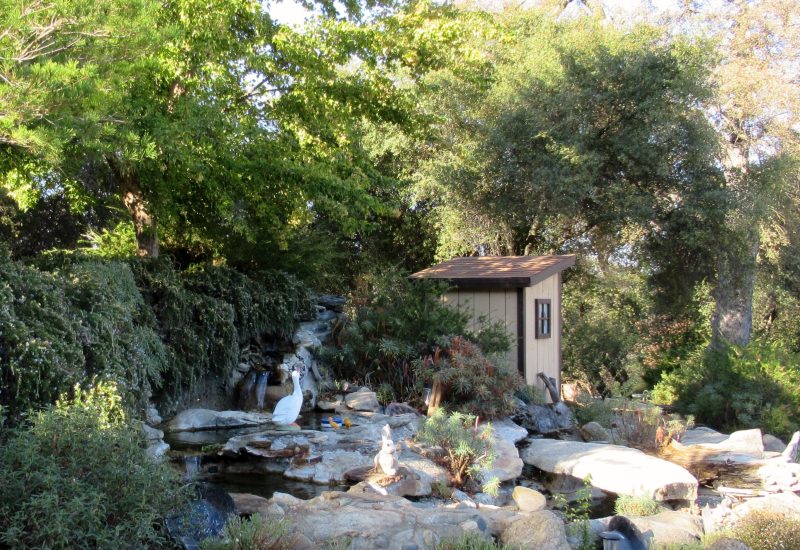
(142,324)
(467,450)
(393,321)
(626,505)
(79,477)
(470,541)
(763,530)
(731,388)
(253,533)
(647,427)
(473,383)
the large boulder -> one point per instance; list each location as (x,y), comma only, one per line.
(545,419)
(508,430)
(593,431)
(362,401)
(528,500)
(613,468)
(205,419)
(507,464)
(370,521)
(541,530)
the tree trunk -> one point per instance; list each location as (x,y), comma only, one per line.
(732,319)
(144,223)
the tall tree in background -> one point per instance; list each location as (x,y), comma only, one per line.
(756,110)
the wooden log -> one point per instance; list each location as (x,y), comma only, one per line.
(436,397)
(550,384)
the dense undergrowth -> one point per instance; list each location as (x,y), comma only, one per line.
(150,328)
(77,476)
(400,334)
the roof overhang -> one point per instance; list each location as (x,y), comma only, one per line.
(482,272)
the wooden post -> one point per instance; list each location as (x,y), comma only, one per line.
(436,397)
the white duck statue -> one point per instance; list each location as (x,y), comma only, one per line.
(288,408)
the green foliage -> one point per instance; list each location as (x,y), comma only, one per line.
(253,533)
(731,388)
(647,427)
(470,541)
(472,382)
(531,395)
(392,322)
(764,530)
(590,409)
(70,321)
(577,513)
(626,505)
(604,311)
(467,450)
(144,325)
(79,477)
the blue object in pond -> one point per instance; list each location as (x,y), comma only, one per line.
(326,425)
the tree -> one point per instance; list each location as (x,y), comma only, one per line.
(584,138)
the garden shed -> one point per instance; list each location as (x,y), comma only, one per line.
(521,292)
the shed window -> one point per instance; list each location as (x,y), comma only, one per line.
(543,323)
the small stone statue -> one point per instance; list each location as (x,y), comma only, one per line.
(386,460)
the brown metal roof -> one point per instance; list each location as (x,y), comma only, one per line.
(497,271)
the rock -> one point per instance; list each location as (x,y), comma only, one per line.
(541,530)
(205,517)
(780,503)
(331,468)
(247,504)
(593,431)
(205,419)
(370,521)
(362,401)
(528,500)
(508,430)
(668,528)
(463,498)
(507,464)
(329,406)
(613,468)
(544,419)
(739,446)
(152,417)
(152,434)
(157,449)
(331,302)
(773,444)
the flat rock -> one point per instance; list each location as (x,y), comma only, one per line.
(509,430)
(528,500)
(370,521)
(744,443)
(206,419)
(331,467)
(780,503)
(541,530)
(613,468)
(362,401)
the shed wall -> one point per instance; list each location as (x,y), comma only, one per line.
(543,354)
(498,305)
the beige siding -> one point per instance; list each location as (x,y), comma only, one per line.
(498,305)
(542,355)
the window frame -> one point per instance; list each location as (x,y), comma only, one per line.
(539,319)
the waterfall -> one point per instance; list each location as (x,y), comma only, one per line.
(191,466)
(261,389)
(246,390)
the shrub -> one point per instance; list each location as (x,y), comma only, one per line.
(757,386)
(253,533)
(470,541)
(590,409)
(79,477)
(647,427)
(392,322)
(768,530)
(626,505)
(473,383)
(467,450)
